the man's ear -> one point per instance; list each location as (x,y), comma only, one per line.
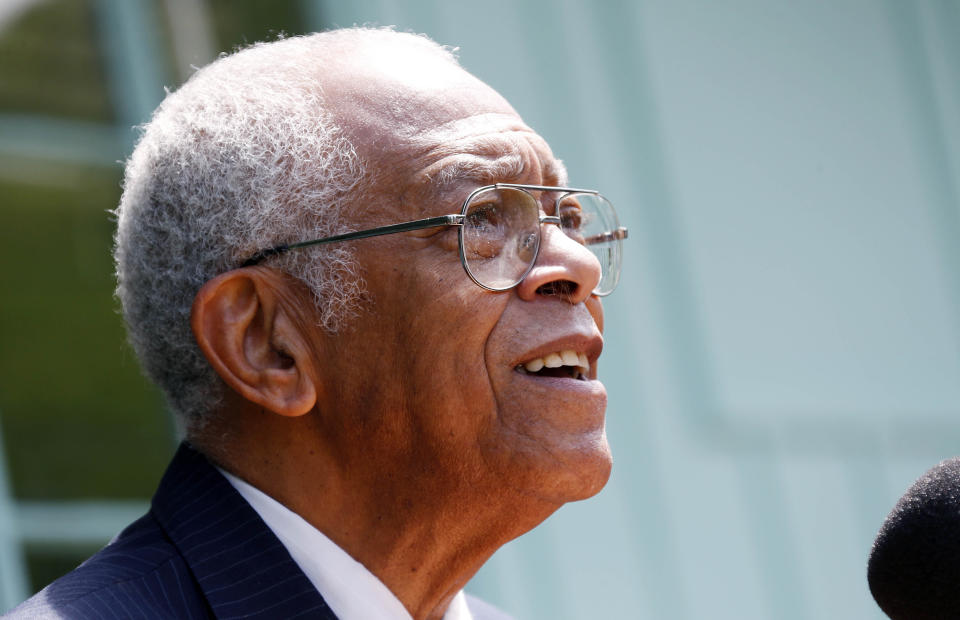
(252,340)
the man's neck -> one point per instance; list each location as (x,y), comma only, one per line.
(423,536)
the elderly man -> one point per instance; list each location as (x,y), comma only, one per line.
(358,278)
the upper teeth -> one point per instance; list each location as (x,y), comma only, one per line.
(568,357)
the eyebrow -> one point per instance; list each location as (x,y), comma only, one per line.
(468,168)
(556,171)
(460,173)
(477,168)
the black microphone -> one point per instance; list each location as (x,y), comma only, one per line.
(914,566)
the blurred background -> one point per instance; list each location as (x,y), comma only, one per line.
(783,354)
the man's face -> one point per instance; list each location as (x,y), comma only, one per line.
(431,376)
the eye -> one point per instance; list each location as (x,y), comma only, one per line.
(486,217)
(572,219)
(485,229)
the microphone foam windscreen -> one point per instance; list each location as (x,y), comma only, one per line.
(914,566)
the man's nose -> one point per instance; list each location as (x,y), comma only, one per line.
(564,268)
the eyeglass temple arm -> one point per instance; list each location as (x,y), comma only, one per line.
(610,235)
(430,222)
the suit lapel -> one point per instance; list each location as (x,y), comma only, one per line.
(241,566)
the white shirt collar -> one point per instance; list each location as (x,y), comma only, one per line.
(351,591)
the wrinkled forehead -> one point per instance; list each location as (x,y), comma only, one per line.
(384,91)
(483,150)
(418,118)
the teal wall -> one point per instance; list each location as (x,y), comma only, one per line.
(782,355)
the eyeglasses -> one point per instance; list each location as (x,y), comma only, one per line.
(500,233)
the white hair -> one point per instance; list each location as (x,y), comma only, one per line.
(242,158)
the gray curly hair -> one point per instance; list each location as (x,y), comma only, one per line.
(241,158)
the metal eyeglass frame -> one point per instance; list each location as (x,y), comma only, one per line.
(455,220)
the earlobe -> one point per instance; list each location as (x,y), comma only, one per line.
(240,323)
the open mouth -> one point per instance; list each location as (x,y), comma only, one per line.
(567,364)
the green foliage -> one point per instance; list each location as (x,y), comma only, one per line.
(242,23)
(47,562)
(51,64)
(79,420)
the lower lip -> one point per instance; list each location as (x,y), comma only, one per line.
(575,404)
(584,386)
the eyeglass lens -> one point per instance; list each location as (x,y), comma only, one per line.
(500,236)
(590,219)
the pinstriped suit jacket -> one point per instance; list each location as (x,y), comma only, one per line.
(200,552)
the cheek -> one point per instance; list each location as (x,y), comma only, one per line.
(451,330)
(449,393)
(439,322)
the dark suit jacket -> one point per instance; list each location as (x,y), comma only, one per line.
(200,552)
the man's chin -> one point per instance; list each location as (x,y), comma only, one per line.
(579,474)
(593,473)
